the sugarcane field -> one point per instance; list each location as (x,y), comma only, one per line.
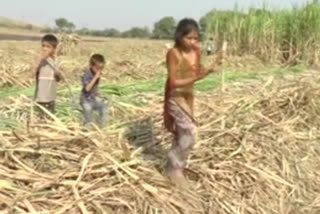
(217,115)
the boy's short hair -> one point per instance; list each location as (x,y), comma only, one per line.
(51,39)
(97,58)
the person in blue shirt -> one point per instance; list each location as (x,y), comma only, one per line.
(89,98)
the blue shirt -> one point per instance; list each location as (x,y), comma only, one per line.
(86,79)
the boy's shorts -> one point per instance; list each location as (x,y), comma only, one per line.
(50,106)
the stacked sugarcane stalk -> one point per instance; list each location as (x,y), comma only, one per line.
(264,160)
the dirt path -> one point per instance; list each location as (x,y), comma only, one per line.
(25,37)
(16,37)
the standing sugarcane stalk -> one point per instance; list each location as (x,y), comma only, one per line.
(223,54)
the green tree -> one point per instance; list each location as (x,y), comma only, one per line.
(71,26)
(111,32)
(84,31)
(137,32)
(61,23)
(64,25)
(164,28)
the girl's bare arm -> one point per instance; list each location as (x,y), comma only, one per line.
(172,65)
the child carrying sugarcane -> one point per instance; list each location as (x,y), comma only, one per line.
(47,75)
(89,99)
(184,69)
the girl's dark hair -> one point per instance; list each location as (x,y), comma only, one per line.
(185,26)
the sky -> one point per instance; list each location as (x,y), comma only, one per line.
(122,14)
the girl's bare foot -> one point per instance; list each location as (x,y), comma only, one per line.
(176,176)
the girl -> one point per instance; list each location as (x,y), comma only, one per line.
(184,69)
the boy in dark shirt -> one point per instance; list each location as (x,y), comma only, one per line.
(89,99)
